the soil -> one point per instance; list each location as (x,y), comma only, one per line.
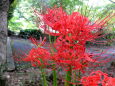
(31,76)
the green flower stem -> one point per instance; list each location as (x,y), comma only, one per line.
(75,76)
(50,39)
(54,78)
(68,78)
(54,71)
(43,74)
(79,77)
(51,47)
(79,74)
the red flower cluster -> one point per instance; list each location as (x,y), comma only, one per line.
(37,57)
(73,32)
(98,78)
(73,27)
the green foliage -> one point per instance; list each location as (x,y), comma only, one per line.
(110,38)
(30,33)
(2,79)
(2,67)
(15,25)
(68,5)
(12,8)
(21,16)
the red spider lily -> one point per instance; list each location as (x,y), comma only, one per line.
(74,31)
(96,78)
(53,16)
(36,42)
(108,81)
(72,24)
(74,27)
(38,57)
(66,56)
(71,53)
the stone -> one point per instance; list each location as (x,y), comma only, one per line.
(9,58)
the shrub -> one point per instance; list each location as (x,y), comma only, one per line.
(30,33)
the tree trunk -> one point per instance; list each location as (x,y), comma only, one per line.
(4,6)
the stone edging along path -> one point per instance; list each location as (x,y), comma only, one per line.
(9,58)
